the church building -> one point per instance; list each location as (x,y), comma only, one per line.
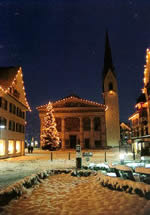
(90,124)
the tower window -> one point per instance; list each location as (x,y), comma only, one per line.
(110,86)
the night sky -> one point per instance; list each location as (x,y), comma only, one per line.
(60,46)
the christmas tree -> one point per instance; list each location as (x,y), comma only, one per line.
(50,134)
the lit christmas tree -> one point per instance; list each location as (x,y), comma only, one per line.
(50,134)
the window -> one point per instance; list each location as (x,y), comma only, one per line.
(142,132)
(20,113)
(9,124)
(110,86)
(18,146)
(23,129)
(2,147)
(14,109)
(10,107)
(23,115)
(10,147)
(14,126)
(3,122)
(17,129)
(17,111)
(5,104)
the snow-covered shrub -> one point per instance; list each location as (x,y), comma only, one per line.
(128,186)
(81,173)
(16,190)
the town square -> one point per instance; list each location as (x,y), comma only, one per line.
(74,107)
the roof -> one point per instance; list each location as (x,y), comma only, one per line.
(124,126)
(108,64)
(141,98)
(134,115)
(74,98)
(13,77)
(7,75)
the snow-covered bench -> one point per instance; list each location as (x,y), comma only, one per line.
(144,174)
(122,171)
(125,172)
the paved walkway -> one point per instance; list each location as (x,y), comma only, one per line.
(66,195)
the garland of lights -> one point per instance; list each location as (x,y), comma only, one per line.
(12,85)
(146,81)
(83,100)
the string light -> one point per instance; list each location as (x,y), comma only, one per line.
(19,72)
(135,115)
(70,98)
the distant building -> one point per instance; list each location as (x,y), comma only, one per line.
(91,124)
(140,119)
(125,134)
(13,107)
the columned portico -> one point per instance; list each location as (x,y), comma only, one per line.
(75,119)
(81,133)
(92,133)
(63,133)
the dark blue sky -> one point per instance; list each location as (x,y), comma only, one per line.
(60,46)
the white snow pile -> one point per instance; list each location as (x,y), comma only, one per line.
(17,189)
(100,166)
(128,186)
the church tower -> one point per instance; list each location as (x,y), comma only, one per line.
(110,93)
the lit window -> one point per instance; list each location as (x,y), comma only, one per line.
(10,147)
(2,147)
(18,146)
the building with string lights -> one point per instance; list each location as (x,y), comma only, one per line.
(140,119)
(13,107)
(88,123)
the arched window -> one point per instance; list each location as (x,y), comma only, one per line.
(110,86)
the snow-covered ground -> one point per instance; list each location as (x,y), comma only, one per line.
(14,169)
(64,194)
(67,195)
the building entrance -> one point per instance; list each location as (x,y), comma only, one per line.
(73,141)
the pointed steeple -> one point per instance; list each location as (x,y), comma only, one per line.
(108,64)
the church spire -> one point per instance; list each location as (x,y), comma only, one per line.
(108,64)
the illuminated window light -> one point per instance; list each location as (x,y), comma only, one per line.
(10,147)
(2,147)
(18,146)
